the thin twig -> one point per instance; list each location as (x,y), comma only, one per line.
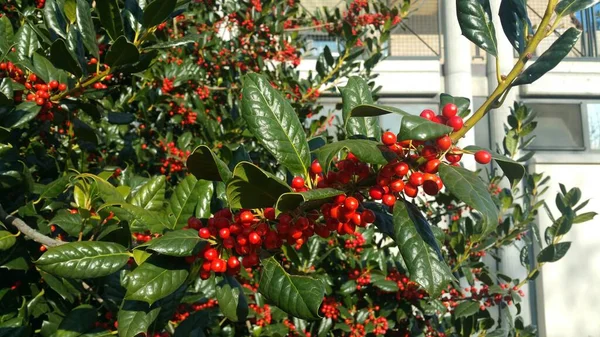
(31,233)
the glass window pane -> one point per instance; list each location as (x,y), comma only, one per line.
(559,126)
(593,112)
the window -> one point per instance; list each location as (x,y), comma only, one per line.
(593,122)
(559,126)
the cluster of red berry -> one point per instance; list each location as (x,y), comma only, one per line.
(329,308)
(407,289)
(263,314)
(378,325)
(362,277)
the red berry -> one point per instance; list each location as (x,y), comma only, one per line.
(315,167)
(416,179)
(351,203)
(211,254)
(449,110)
(246,217)
(368,216)
(455,122)
(53,84)
(254,238)
(233,262)
(401,169)
(389,200)
(224,233)
(483,157)
(194,223)
(32,77)
(444,143)
(40,101)
(376,192)
(427,114)
(432,166)
(297,182)
(388,138)
(410,190)
(397,185)
(62,87)
(218,266)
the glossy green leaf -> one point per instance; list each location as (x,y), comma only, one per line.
(567,7)
(469,188)
(467,308)
(584,217)
(372,110)
(553,252)
(299,296)
(77,322)
(310,199)
(156,278)
(62,58)
(7,33)
(514,171)
(367,151)
(194,325)
(20,115)
(7,240)
(514,20)
(325,327)
(230,295)
(204,164)
(550,58)
(184,242)
(43,68)
(70,223)
(273,121)
(158,11)
(461,103)
(83,259)
(252,187)
(475,20)
(70,8)
(419,128)
(6,87)
(355,93)
(86,27)
(135,318)
(110,17)
(122,52)
(54,18)
(185,199)
(422,261)
(386,285)
(26,42)
(151,195)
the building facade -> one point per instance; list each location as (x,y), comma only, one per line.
(428,56)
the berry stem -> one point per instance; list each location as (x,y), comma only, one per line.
(505,85)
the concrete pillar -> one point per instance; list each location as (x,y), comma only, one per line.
(510,257)
(457,66)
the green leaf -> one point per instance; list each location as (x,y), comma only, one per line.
(299,296)
(54,19)
(514,171)
(367,151)
(110,17)
(567,7)
(461,103)
(194,325)
(7,33)
(419,128)
(44,68)
(6,87)
(355,93)
(7,240)
(252,187)
(151,195)
(185,199)
(422,261)
(310,199)
(584,217)
(20,115)
(184,242)
(156,278)
(325,326)
(231,298)
(135,318)
(468,308)
(553,252)
(475,20)
(83,259)
(513,17)
(371,110)
(273,121)
(86,27)
(204,164)
(158,11)
(550,58)
(62,58)
(122,52)
(386,285)
(70,223)
(77,322)
(469,188)
(26,42)
(70,8)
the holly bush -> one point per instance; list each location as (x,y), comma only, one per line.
(167,170)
